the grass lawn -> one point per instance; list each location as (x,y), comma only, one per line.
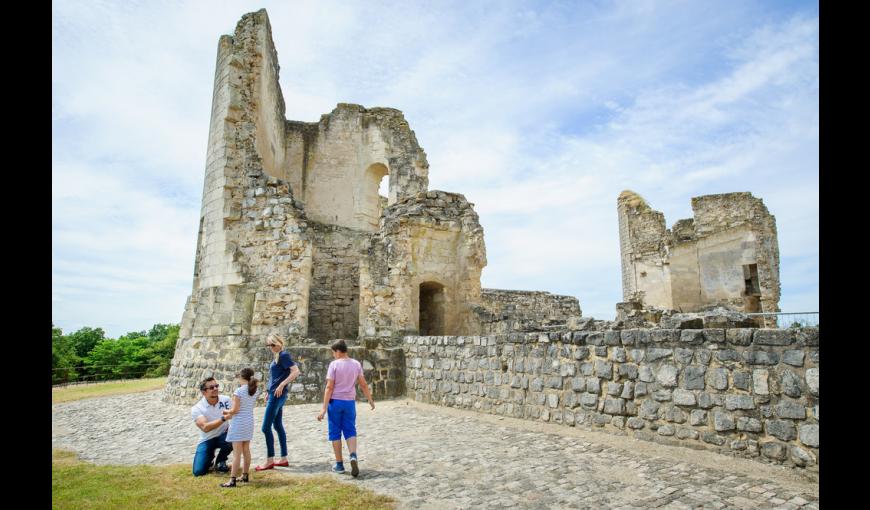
(80,391)
(80,485)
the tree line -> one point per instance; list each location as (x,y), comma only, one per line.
(87,355)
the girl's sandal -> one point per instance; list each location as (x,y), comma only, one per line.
(244,478)
(231,483)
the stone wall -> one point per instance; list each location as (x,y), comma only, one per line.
(748,392)
(505,311)
(383,369)
(333,303)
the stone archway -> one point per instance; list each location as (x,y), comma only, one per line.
(432,313)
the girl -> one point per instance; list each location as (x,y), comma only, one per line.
(282,372)
(242,427)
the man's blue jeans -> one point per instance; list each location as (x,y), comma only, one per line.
(273,418)
(205,453)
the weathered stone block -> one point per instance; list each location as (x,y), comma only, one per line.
(705,400)
(578,383)
(614,405)
(754,357)
(812,378)
(739,336)
(684,398)
(619,355)
(773,337)
(612,338)
(793,358)
(748,424)
(733,402)
(742,380)
(627,390)
(723,420)
(664,335)
(774,450)
(593,385)
(667,375)
(801,457)
(649,410)
(692,336)
(699,417)
(718,378)
(673,414)
(627,371)
(790,410)
(726,355)
(683,356)
(693,377)
(662,395)
(614,389)
(759,382)
(656,354)
(687,433)
(781,429)
(589,401)
(645,374)
(809,435)
(703,356)
(666,430)
(713,438)
(581,353)
(791,384)
(604,369)
(635,423)
(808,336)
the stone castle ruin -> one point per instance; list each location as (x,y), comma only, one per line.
(726,256)
(295,239)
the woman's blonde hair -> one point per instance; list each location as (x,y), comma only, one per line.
(273,338)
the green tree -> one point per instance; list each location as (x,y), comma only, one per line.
(63,358)
(121,358)
(163,339)
(85,339)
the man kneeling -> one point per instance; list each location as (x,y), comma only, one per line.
(208,416)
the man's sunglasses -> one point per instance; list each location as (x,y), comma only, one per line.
(213,387)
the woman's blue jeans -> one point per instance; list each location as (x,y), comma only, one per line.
(272,418)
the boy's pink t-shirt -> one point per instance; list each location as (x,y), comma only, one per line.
(345,373)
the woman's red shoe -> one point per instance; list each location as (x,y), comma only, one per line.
(282,463)
(263,468)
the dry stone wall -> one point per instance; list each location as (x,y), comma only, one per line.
(748,392)
(505,311)
(333,304)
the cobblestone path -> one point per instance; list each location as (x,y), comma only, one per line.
(433,457)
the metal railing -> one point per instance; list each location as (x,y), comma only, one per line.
(787,319)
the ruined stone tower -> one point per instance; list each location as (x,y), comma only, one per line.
(727,255)
(294,238)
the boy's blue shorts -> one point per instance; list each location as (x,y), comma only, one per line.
(342,419)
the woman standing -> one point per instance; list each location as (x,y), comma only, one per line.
(282,372)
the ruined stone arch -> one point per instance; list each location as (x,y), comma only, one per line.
(369,203)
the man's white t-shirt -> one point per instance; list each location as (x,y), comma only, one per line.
(211,413)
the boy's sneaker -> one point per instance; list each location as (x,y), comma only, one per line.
(338,468)
(221,467)
(354,468)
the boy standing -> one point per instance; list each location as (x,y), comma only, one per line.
(339,400)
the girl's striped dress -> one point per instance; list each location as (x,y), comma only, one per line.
(242,424)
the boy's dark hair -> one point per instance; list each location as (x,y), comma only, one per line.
(204,382)
(339,346)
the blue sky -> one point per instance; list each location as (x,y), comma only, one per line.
(540,113)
